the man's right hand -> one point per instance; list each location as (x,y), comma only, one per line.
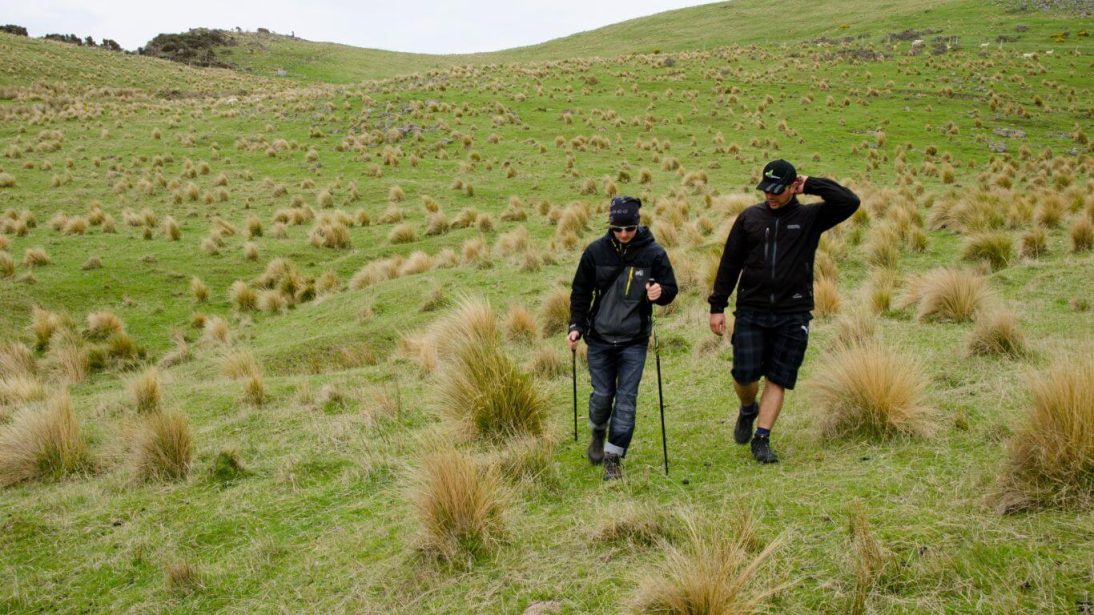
(572,338)
(718,324)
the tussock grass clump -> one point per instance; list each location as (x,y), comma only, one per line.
(1082,234)
(1051,456)
(530,459)
(254,390)
(555,311)
(330,235)
(855,329)
(243,297)
(713,571)
(1034,243)
(101,325)
(146,391)
(460,506)
(947,295)
(403,233)
(163,448)
(826,298)
(44,324)
(634,524)
(18,389)
(215,330)
(519,324)
(35,257)
(997,333)
(872,391)
(17,360)
(480,386)
(42,443)
(199,290)
(7,265)
(995,247)
(92,263)
(547,363)
(69,356)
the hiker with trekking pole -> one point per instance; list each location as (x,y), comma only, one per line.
(768,257)
(618,279)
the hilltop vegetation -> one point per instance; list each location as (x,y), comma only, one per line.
(262,337)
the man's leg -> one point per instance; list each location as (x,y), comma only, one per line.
(602,375)
(748,357)
(632,360)
(770,405)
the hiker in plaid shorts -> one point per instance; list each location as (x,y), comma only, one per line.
(768,258)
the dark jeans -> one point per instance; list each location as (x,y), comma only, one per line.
(615,372)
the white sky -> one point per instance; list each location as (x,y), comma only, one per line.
(424,26)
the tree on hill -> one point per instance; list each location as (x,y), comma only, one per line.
(14,29)
(197,47)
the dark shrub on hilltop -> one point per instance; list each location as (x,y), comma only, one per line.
(196,47)
(13,29)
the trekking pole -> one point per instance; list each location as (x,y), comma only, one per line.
(660,394)
(573,378)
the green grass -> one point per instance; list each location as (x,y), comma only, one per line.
(321,519)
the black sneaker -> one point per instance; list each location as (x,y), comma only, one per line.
(613,468)
(761,450)
(742,431)
(595,452)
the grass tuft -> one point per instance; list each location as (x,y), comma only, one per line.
(146,391)
(459,505)
(997,333)
(163,449)
(871,391)
(947,295)
(1051,456)
(480,386)
(711,572)
(42,443)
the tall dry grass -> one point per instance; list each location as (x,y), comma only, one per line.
(43,443)
(163,448)
(1050,459)
(947,295)
(460,506)
(713,571)
(997,333)
(146,391)
(480,386)
(873,391)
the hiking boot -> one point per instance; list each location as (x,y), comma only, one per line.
(761,450)
(613,468)
(742,431)
(595,452)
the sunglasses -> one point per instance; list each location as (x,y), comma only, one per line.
(776,189)
(620,229)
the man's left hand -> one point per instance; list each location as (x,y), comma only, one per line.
(653,291)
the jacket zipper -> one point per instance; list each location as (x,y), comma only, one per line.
(774,256)
(630,278)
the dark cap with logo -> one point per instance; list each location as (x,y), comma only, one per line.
(778,174)
(624,211)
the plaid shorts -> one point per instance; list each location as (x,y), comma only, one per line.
(769,345)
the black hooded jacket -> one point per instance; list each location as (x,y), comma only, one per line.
(608,295)
(772,251)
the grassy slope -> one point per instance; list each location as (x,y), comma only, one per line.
(321,521)
(745,22)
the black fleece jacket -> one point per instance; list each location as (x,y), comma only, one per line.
(771,251)
(608,295)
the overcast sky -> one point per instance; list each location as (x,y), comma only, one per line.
(424,26)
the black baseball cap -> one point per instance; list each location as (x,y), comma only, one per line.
(778,174)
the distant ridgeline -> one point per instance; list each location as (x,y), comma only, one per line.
(87,41)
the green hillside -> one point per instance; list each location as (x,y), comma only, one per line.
(231,308)
(749,22)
